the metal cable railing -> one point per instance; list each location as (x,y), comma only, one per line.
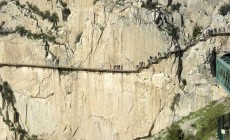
(141,66)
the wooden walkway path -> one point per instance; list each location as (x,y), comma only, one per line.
(66,68)
(137,70)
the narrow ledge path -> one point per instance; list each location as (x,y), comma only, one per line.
(137,70)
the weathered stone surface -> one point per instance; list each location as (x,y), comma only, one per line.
(84,105)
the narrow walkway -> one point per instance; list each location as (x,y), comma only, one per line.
(211,32)
(66,68)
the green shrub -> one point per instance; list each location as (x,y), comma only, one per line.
(20,130)
(46,15)
(193,125)
(5,33)
(196,31)
(45,37)
(78,37)
(95,1)
(35,9)
(33,137)
(175,7)
(7,93)
(150,5)
(175,133)
(190,136)
(21,30)
(54,17)
(3,3)
(64,4)
(172,31)
(22,5)
(17,3)
(207,124)
(65,14)
(184,82)
(224,9)
(176,100)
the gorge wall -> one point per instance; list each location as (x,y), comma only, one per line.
(55,104)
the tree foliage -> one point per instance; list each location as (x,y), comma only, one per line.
(45,15)
(175,133)
(224,10)
(175,7)
(3,3)
(196,31)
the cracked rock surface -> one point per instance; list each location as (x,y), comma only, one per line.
(55,104)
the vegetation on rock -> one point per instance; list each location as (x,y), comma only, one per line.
(65,14)
(175,133)
(45,37)
(3,3)
(204,124)
(45,15)
(151,5)
(196,31)
(7,93)
(224,10)
(172,31)
(64,4)
(78,37)
(175,102)
(95,1)
(14,125)
(175,7)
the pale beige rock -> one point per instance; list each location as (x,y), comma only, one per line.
(86,105)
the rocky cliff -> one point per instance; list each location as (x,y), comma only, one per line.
(55,104)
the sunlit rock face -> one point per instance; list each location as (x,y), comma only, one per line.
(55,104)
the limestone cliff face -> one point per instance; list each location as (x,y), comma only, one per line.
(54,104)
(85,105)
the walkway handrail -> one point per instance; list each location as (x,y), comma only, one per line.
(138,70)
(66,68)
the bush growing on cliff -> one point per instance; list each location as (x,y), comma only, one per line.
(17,2)
(33,137)
(78,37)
(176,100)
(172,31)
(149,5)
(54,17)
(175,7)
(175,133)
(7,93)
(184,82)
(22,5)
(45,37)
(95,1)
(63,4)
(45,15)
(21,30)
(224,10)
(3,3)
(65,14)
(34,8)
(196,31)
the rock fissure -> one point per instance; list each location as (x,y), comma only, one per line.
(46,78)
(151,128)
(39,97)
